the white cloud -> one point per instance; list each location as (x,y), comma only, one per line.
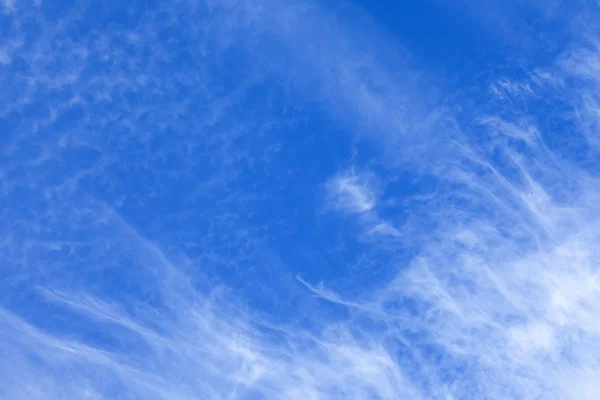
(503,288)
(351,193)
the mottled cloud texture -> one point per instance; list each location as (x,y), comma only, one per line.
(275,200)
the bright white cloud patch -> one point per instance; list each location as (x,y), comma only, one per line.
(351,193)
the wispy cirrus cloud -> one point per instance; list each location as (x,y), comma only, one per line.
(96,129)
(499,299)
(183,342)
(358,194)
(129,226)
(351,193)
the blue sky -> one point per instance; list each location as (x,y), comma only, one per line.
(235,199)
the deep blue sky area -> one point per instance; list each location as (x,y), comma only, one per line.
(466,42)
(299,199)
(442,36)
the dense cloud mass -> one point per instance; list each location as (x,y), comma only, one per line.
(234,199)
